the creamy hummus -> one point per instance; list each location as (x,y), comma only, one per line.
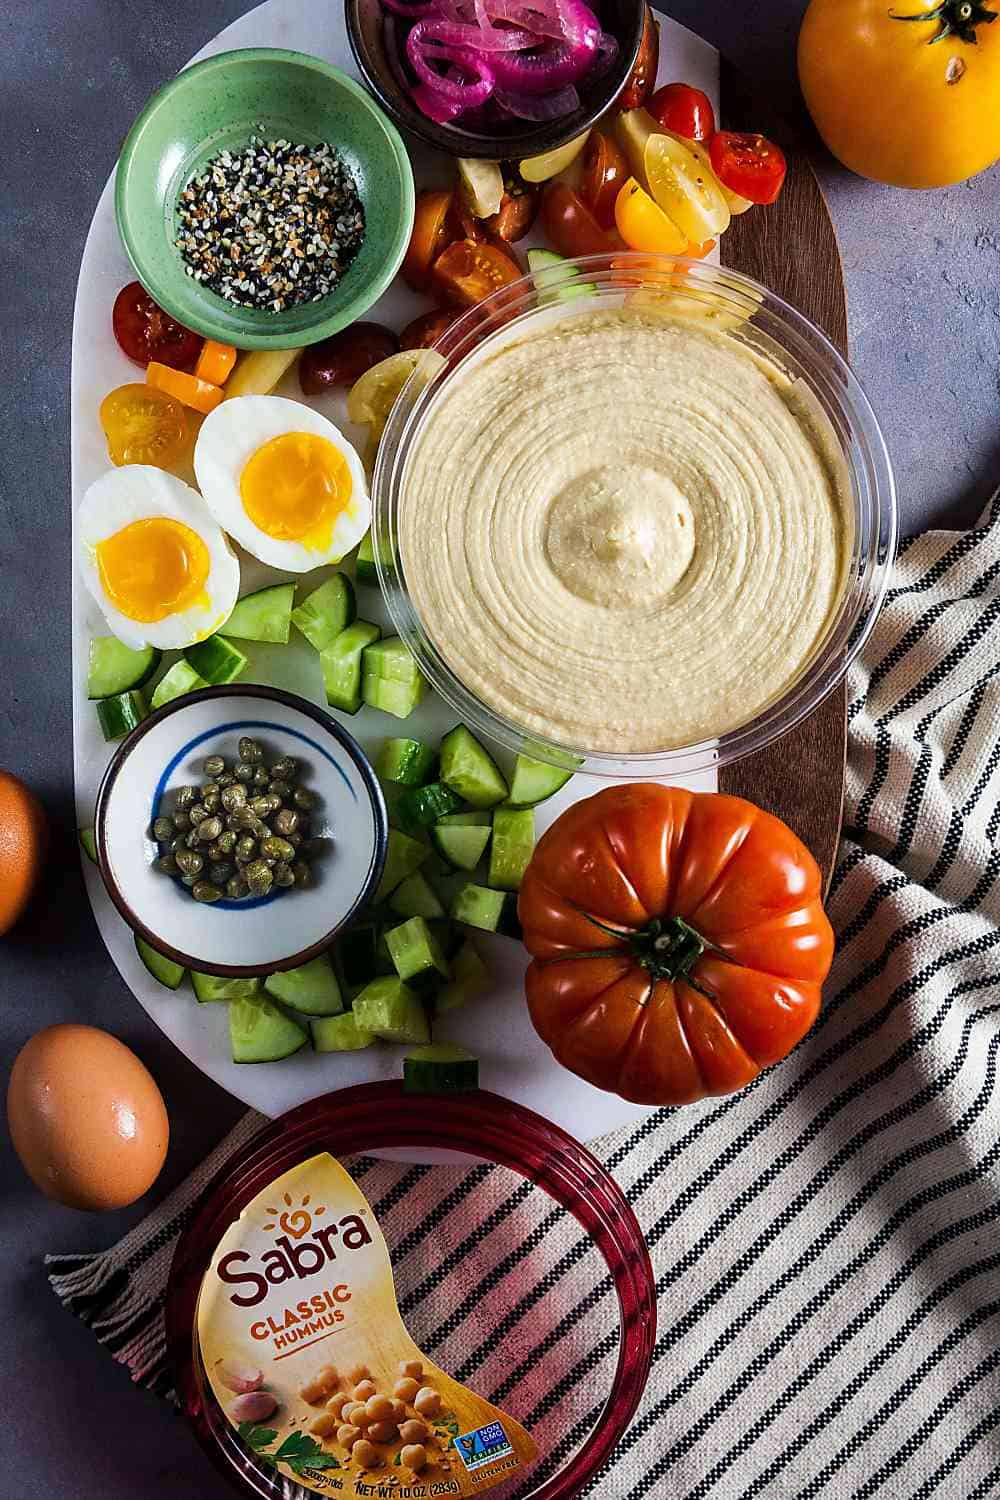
(622,531)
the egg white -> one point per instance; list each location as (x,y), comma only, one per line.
(231,435)
(137,492)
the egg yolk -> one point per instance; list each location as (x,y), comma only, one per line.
(153,568)
(295,487)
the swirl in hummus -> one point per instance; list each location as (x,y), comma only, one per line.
(623,532)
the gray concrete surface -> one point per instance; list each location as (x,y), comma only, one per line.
(923,275)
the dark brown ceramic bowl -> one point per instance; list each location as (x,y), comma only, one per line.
(366,23)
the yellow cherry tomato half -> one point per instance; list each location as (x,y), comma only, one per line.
(683,184)
(144,425)
(907,94)
(644,226)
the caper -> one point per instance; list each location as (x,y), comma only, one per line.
(220,871)
(168,864)
(286,769)
(246,818)
(197,812)
(261,778)
(226,779)
(243,771)
(275,848)
(163,829)
(234,796)
(191,839)
(189,861)
(190,880)
(186,797)
(258,877)
(295,839)
(303,798)
(225,843)
(264,806)
(302,873)
(214,765)
(182,822)
(212,799)
(286,821)
(209,830)
(246,849)
(204,890)
(282,874)
(236,887)
(251,750)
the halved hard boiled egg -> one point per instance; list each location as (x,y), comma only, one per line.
(160,569)
(283,481)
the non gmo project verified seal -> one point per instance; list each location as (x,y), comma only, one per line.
(483,1446)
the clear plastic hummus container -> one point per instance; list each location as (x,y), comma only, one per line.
(280,1302)
(825,391)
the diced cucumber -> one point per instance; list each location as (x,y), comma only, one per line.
(413,897)
(392,660)
(263,616)
(555,280)
(89,844)
(414,949)
(461,844)
(181,678)
(389,1009)
(217,660)
(327,611)
(396,698)
(163,970)
(533,781)
(449,937)
(260,1031)
(364,568)
(119,716)
(210,987)
(403,856)
(469,978)
(114,668)
(420,806)
(481,818)
(489,910)
(340,1033)
(312,988)
(406,761)
(356,955)
(341,663)
(512,847)
(440,1068)
(470,770)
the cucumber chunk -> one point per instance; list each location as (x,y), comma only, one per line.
(119,716)
(555,280)
(461,844)
(364,566)
(512,847)
(449,937)
(340,1033)
(356,955)
(534,781)
(181,678)
(414,950)
(312,988)
(389,1009)
(469,978)
(210,987)
(392,660)
(403,856)
(470,770)
(260,1031)
(489,910)
(263,616)
(396,698)
(89,844)
(217,660)
(327,611)
(163,970)
(413,897)
(440,1068)
(341,663)
(406,761)
(114,668)
(420,807)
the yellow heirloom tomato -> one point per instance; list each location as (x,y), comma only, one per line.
(908,95)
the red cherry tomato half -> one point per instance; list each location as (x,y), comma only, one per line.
(570,226)
(145,332)
(749,165)
(684,110)
(426,330)
(639,84)
(605,172)
(466,272)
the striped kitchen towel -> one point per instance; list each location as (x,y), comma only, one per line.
(826,1242)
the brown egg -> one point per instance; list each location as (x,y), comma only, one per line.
(86,1118)
(23,839)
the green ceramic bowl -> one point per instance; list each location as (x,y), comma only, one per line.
(219,104)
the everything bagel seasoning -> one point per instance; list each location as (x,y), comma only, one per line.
(271,226)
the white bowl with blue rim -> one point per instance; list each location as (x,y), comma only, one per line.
(255,935)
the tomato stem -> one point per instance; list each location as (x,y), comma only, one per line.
(956,17)
(667,948)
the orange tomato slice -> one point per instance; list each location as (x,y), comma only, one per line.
(200,395)
(215,362)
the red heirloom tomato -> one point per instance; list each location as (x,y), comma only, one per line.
(467,272)
(570,226)
(678,939)
(145,332)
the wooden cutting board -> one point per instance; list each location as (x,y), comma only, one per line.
(792,248)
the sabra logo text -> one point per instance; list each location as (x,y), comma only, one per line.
(301,1249)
